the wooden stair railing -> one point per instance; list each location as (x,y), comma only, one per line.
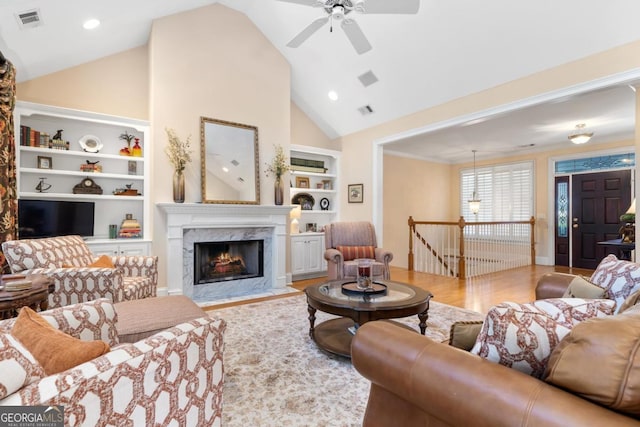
(461,224)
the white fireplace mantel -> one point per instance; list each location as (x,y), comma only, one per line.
(183,216)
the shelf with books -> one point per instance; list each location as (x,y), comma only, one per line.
(92,157)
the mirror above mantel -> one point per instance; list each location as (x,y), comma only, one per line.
(229,156)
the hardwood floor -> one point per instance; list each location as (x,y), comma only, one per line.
(478,294)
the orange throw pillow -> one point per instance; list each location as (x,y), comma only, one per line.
(53,349)
(103,262)
(354,252)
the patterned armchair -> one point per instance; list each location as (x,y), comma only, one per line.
(67,260)
(347,241)
(174,377)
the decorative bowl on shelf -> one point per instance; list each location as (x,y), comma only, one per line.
(305,200)
(90,143)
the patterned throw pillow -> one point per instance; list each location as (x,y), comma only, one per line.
(17,365)
(618,278)
(354,252)
(522,336)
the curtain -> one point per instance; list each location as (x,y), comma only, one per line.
(8,190)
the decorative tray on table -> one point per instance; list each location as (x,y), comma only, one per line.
(351,288)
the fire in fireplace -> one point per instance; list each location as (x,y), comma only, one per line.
(231,260)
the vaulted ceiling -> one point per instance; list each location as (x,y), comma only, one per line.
(448,50)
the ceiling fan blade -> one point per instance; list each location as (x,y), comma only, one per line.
(302,2)
(356,36)
(308,32)
(395,6)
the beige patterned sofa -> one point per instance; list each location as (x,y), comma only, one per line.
(174,377)
(67,260)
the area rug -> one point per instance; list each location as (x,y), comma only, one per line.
(276,376)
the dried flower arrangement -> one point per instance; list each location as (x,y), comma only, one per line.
(179,152)
(279,165)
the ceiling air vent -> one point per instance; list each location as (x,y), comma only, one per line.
(29,18)
(368,78)
(366,110)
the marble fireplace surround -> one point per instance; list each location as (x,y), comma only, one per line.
(190,222)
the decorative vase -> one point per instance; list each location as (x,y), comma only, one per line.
(178,187)
(278,191)
(136,151)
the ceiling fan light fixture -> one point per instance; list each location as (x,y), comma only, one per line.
(580,137)
(337,13)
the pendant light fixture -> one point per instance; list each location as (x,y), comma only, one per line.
(474,202)
(581,136)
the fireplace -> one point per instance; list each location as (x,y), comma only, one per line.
(190,223)
(230,260)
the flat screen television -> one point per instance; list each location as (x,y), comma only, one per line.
(50,218)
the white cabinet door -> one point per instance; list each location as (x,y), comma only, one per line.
(134,248)
(298,257)
(307,255)
(119,248)
(314,252)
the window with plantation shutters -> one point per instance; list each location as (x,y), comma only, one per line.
(505,192)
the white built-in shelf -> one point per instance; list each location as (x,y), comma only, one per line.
(311,190)
(94,175)
(65,173)
(79,153)
(318,211)
(315,174)
(67,196)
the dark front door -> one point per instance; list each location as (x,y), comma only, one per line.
(598,200)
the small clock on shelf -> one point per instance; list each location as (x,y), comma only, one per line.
(324,204)
(87,186)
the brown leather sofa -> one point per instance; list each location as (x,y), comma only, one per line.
(416,381)
(553,285)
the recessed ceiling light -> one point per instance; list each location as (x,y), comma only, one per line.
(226,169)
(333,95)
(91,24)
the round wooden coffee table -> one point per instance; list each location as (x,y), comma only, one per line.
(334,336)
(36,297)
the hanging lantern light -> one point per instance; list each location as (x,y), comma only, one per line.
(474,202)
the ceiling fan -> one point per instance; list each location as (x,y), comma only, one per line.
(338,10)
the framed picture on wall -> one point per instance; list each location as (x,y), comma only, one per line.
(354,192)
